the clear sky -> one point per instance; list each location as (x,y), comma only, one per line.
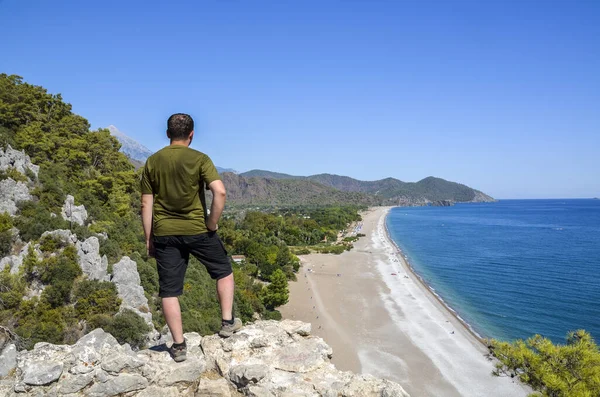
(503,96)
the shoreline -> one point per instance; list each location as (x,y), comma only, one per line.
(381,319)
(407,265)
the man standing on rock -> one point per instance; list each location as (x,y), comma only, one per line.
(176,225)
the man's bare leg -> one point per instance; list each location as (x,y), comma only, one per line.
(172,313)
(225,287)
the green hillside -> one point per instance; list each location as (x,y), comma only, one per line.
(267,186)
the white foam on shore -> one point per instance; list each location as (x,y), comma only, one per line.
(459,357)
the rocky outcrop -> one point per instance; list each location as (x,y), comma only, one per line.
(15,261)
(127,279)
(74,213)
(93,265)
(12,193)
(267,358)
(11,158)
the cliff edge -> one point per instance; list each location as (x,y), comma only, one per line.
(265,358)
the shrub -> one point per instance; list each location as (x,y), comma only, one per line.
(302,251)
(272,315)
(93,297)
(14,175)
(5,243)
(570,370)
(128,327)
(276,293)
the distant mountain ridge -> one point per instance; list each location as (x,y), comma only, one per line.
(389,191)
(261,187)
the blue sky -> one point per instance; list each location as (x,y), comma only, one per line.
(503,96)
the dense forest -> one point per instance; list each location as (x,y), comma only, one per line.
(88,165)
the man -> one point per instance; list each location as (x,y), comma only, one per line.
(176,225)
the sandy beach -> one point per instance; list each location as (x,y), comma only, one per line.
(380,319)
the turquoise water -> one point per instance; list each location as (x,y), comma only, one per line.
(510,269)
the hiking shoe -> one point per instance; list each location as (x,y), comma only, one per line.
(178,352)
(229,329)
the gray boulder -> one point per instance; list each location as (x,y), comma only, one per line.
(11,158)
(12,193)
(41,372)
(92,264)
(74,213)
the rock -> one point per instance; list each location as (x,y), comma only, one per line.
(303,356)
(127,280)
(8,360)
(296,327)
(63,235)
(121,384)
(11,158)
(187,371)
(12,193)
(73,383)
(154,391)
(213,388)
(74,213)
(90,349)
(92,264)
(15,261)
(243,374)
(266,358)
(38,373)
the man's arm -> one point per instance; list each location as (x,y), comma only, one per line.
(218,203)
(147,202)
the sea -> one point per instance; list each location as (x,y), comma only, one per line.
(510,269)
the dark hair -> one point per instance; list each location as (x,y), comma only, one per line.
(180,126)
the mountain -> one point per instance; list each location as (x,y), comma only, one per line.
(269,174)
(261,187)
(389,190)
(132,148)
(287,192)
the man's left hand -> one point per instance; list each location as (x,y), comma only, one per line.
(150,248)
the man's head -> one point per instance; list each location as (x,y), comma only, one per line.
(180,127)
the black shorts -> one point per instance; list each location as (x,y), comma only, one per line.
(172,255)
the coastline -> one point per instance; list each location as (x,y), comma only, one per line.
(410,269)
(380,318)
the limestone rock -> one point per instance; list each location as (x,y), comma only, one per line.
(127,280)
(74,213)
(213,388)
(63,235)
(243,374)
(15,261)
(8,360)
(121,384)
(73,383)
(12,193)
(92,264)
(11,158)
(266,358)
(42,372)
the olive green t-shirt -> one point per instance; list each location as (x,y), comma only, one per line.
(176,176)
